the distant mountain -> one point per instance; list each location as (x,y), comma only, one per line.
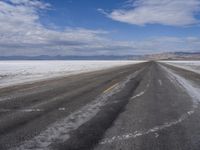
(58,57)
(173,56)
(161,56)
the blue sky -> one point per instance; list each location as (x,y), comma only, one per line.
(85,14)
(98,27)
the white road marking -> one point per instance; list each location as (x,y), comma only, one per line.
(148,85)
(160,82)
(59,131)
(142,92)
(156,135)
(138,95)
(61,109)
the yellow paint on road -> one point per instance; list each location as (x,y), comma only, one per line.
(110,88)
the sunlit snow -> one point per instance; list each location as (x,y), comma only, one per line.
(15,72)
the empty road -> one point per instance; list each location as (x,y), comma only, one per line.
(146,106)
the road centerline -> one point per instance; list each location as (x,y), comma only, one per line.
(110,88)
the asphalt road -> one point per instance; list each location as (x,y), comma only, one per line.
(147,106)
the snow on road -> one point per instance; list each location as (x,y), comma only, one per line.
(188,65)
(192,89)
(182,83)
(15,72)
(60,130)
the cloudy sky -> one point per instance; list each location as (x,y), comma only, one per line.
(98,27)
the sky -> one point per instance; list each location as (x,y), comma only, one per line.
(98,27)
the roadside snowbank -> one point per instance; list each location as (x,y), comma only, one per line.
(16,72)
(188,65)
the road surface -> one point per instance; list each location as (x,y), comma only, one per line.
(143,106)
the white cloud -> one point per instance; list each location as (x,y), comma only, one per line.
(165,12)
(21,33)
(21,29)
(31,3)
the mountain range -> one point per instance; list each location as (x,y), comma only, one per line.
(160,56)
